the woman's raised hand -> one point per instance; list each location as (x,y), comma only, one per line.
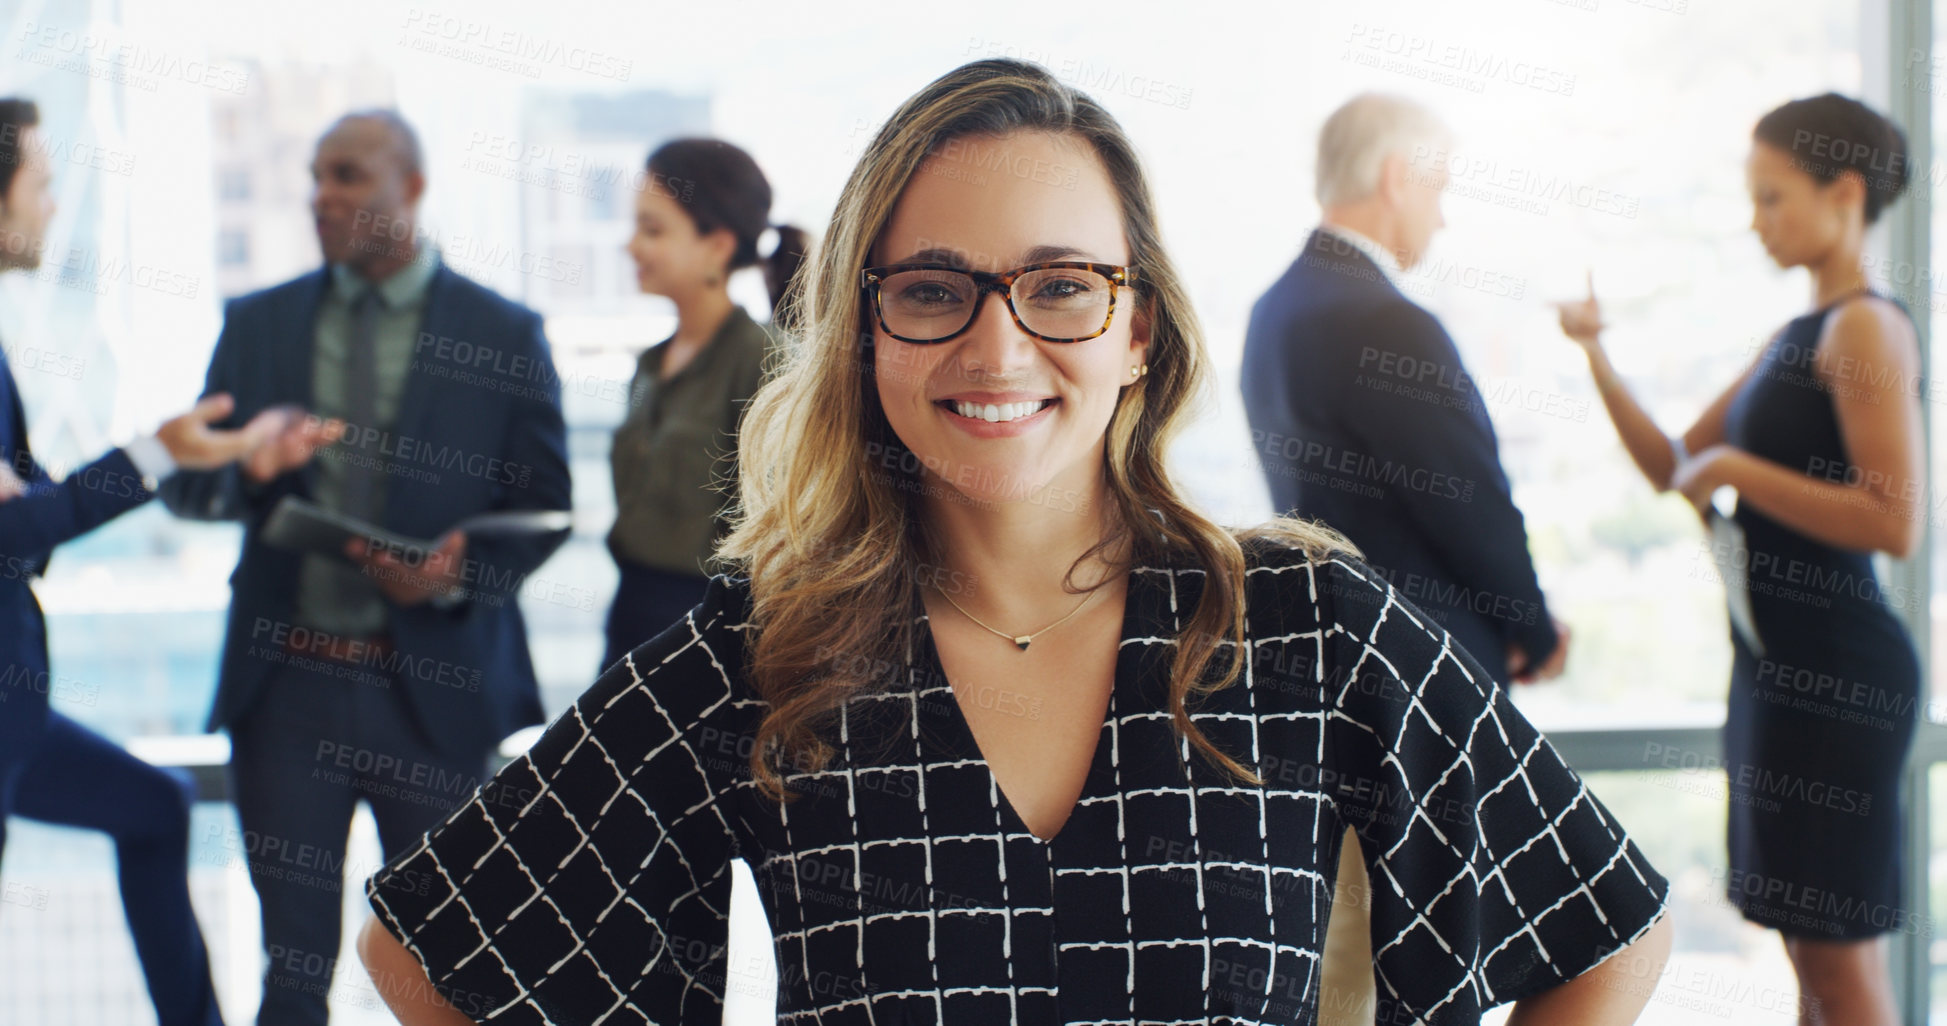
(1582,318)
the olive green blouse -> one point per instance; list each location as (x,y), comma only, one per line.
(674,457)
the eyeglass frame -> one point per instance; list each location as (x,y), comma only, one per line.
(1120,276)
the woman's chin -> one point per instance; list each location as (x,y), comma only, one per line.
(1782,258)
(980,484)
(987,493)
(997,489)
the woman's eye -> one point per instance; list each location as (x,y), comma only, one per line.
(1061,288)
(929,294)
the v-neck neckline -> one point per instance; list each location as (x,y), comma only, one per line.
(1101,761)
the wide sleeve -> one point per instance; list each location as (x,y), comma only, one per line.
(591,876)
(1496,874)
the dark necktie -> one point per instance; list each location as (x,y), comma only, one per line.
(362,481)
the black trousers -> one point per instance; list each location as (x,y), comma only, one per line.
(322,737)
(55,770)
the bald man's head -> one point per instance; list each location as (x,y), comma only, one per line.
(404,142)
(368,176)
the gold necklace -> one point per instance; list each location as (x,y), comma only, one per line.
(1020,641)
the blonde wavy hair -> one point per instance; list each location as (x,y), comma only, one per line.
(831,541)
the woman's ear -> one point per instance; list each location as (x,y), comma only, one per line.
(1848,190)
(722,246)
(1139,328)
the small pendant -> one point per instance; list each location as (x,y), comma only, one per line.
(1023,640)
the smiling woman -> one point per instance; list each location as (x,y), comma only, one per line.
(951,819)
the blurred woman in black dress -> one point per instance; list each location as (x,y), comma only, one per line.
(1822,439)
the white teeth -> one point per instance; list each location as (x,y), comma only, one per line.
(994,413)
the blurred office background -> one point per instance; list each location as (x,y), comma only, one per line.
(1593,134)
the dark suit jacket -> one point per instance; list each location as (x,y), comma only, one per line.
(1363,416)
(31,525)
(479,428)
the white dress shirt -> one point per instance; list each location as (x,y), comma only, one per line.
(151,459)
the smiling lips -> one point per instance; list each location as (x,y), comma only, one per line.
(996,413)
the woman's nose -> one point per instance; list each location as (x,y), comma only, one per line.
(994,344)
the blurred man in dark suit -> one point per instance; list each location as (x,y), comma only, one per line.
(1363,416)
(383,674)
(53,769)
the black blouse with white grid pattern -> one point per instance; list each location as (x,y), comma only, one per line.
(590,880)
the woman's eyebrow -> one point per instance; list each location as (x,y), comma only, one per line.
(1043,253)
(958,258)
(935,255)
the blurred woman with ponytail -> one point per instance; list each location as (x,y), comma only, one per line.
(702,214)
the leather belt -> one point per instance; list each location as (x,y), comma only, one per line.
(353,651)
